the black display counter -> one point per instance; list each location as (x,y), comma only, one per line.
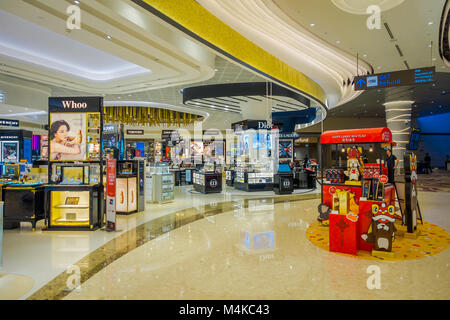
(305,179)
(229,177)
(74,207)
(22,203)
(283,183)
(208,182)
(183,176)
(177,174)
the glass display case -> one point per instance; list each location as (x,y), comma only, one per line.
(163,187)
(254,170)
(75,207)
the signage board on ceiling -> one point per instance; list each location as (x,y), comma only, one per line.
(109,128)
(75,104)
(395,79)
(9,123)
(135,132)
(288,135)
(306,140)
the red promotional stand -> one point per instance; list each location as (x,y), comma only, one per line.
(352,193)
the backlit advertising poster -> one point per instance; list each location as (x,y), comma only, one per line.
(10,151)
(67,136)
(110,195)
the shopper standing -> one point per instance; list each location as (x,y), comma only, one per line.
(391,163)
(427,161)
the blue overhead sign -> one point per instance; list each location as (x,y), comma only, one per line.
(397,78)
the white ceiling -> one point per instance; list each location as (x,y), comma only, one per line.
(141,54)
(413,23)
(58,52)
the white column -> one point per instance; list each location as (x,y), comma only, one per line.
(398,120)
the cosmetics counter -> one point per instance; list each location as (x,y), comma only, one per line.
(254,177)
(304,178)
(183,176)
(23,195)
(207,180)
(75,197)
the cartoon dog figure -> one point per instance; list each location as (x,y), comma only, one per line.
(382,229)
(353,163)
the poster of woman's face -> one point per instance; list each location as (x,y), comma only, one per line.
(67,136)
(10,150)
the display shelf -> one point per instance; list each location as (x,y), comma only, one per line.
(72,220)
(64,206)
(162,188)
(87,216)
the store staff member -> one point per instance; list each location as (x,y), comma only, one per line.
(391,163)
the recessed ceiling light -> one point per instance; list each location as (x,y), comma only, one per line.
(215,70)
(338,42)
(434,59)
(365,55)
(430,23)
(108,36)
(312,25)
(77,2)
(10,110)
(378,67)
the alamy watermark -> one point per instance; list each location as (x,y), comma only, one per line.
(73,22)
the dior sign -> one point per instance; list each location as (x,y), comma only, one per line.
(264,125)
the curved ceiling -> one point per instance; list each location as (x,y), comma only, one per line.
(270,27)
(120,48)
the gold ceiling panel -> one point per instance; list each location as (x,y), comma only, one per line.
(148,116)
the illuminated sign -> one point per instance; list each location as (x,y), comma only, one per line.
(395,79)
(135,132)
(9,123)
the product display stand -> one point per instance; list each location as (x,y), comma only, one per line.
(130,186)
(74,198)
(283,183)
(163,187)
(208,182)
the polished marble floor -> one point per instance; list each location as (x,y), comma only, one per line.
(207,259)
(233,245)
(41,256)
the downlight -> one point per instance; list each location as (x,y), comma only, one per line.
(2,97)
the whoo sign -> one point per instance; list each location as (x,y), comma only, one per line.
(75,104)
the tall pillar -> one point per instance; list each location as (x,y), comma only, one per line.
(398,120)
